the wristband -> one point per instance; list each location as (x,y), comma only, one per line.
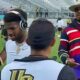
(64,57)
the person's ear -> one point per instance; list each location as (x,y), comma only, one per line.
(52,42)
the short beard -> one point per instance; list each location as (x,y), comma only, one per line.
(19,39)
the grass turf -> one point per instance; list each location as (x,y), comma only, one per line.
(55,48)
(1,48)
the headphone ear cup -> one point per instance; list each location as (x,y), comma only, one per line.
(23,25)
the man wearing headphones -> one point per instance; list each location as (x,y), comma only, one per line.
(15,22)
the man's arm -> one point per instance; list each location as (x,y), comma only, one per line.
(64,50)
(2,56)
(63,47)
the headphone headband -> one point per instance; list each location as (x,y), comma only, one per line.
(15,12)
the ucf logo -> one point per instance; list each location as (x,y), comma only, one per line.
(20,75)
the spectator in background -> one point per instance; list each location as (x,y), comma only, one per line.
(69,50)
(38,66)
(40,12)
(15,22)
(69,21)
(4,34)
(37,12)
(46,13)
(60,25)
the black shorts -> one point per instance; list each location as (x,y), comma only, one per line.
(59,29)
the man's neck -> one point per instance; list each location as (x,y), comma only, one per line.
(43,53)
(21,40)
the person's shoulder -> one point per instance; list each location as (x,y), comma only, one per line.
(67,74)
(54,64)
(6,71)
(8,66)
(10,41)
(26,45)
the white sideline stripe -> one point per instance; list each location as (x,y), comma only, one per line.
(71,31)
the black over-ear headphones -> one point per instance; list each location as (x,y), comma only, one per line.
(23,22)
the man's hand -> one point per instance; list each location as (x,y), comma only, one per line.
(2,57)
(1,61)
(71,62)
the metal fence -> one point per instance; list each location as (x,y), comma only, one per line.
(51,15)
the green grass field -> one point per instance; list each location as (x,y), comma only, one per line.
(53,53)
(1,47)
(55,48)
(1,43)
